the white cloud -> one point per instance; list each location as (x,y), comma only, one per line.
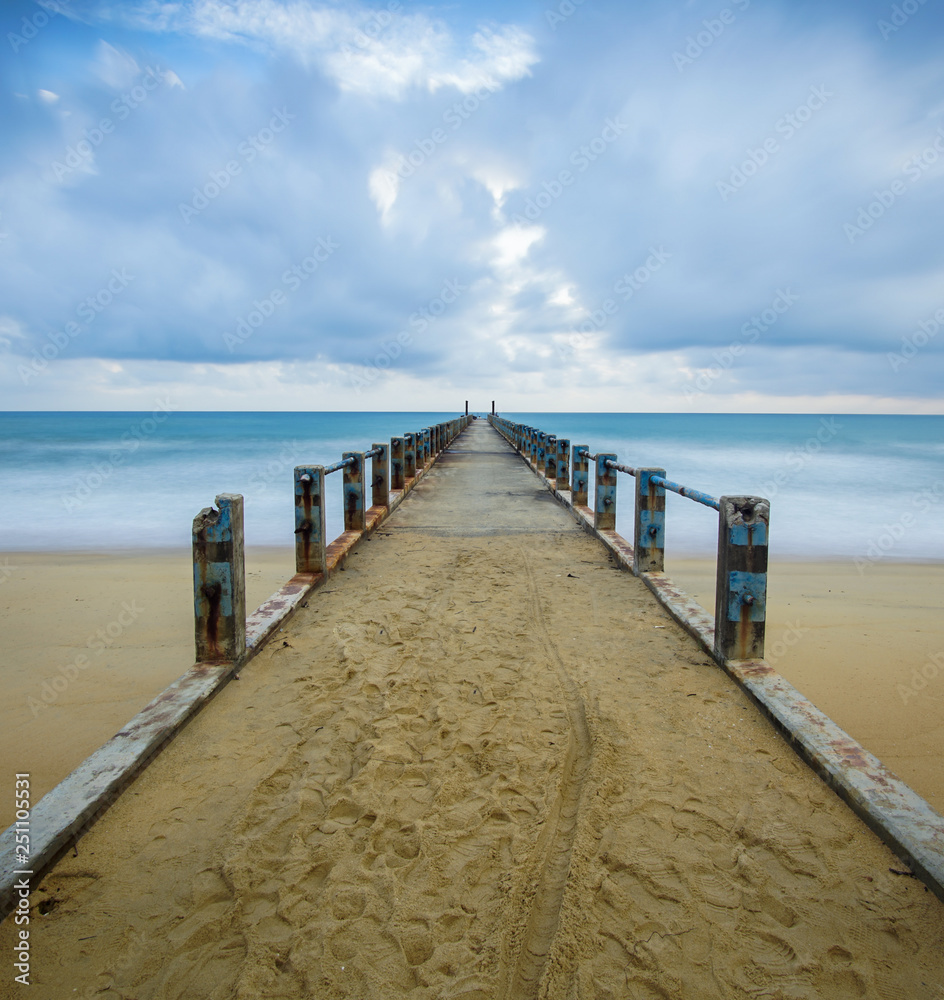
(379,53)
(115,68)
(47,96)
(383,185)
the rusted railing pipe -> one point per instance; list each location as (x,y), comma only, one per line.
(619,467)
(343,464)
(689,493)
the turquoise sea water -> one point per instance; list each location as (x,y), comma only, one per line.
(857,487)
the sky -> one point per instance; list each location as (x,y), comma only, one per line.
(571,206)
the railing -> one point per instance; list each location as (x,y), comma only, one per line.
(219,585)
(741,577)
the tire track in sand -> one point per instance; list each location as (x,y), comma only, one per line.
(557,841)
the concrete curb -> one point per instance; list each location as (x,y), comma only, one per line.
(892,810)
(68,811)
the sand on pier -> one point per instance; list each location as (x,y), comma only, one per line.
(482,763)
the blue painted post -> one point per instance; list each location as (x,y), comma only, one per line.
(379,479)
(580,484)
(355,514)
(310,519)
(219,582)
(563,464)
(542,445)
(741,587)
(427,446)
(550,457)
(649,530)
(396,463)
(604,497)
(409,456)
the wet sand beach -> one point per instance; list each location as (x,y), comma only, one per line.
(482,763)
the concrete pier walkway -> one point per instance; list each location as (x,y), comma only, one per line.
(481,763)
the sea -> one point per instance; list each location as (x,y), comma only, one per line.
(866,488)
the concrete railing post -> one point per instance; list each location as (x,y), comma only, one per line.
(581,476)
(219,582)
(310,519)
(741,587)
(542,453)
(422,449)
(396,463)
(427,446)
(550,458)
(649,530)
(604,496)
(379,477)
(409,456)
(563,464)
(355,512)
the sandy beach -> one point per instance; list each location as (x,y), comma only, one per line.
(89,640)
(851,643)
(482,763)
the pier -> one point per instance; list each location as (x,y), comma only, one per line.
(480,746)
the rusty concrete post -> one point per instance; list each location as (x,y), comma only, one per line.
(219,582)
(409,456)
(542,453)
(309,519)
(355,514)
(550,457)
(420,450)
(604,496)
(534,447)
(427,446)
(396,463)
(379,478)
(579,489)
(741,587)
(563,464)
(649,529)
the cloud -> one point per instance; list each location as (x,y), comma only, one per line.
(116,69)
(546,173)
(383,52)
